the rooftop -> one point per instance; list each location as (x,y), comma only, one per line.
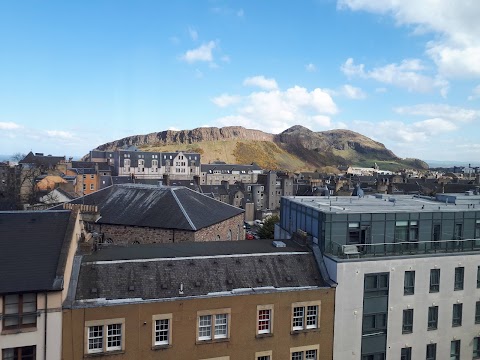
(167,271)
(166,207)
(381,203)
(31,249)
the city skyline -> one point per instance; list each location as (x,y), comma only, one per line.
(76,75)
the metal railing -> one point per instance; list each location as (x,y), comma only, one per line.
(402,248)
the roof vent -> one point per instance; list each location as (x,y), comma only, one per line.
(259,280)
(279,244)
(94,290)
(229,281)
(197,284)
(131,288)
(164,286)
(180,290)
(288,278)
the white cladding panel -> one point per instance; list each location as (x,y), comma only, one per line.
(349,305)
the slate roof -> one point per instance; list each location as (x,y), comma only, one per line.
(31,249)
(157,207)
(217,268)
(40,159)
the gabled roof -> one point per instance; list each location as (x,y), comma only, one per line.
(41,160)
(157,207)
(32,246)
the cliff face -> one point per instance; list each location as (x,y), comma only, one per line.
(182,137)
(297,148)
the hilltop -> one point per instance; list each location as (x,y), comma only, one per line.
(295,149)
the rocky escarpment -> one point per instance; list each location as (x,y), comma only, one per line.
(172,137)
(297,148)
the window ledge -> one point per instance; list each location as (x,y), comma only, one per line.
(105,353)
(266,335)
(161,347)
(18,330)
(198,342)
(295,332)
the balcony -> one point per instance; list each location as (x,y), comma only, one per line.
(402,248)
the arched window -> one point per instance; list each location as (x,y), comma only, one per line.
(229,235)
(218,237)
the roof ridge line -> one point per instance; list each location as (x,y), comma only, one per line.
(183,209)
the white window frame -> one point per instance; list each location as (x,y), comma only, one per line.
(92,186)
(105,326)
(159,318)
(261,355)
(302,317)
(268,322)
(212,321)
(304,350)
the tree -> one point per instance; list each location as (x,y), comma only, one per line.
(268,228)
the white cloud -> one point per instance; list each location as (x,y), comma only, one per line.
(9,126)
(456,46)
(405,134)
(443,111)
(310,67)
(406,75)
(173,128)
(275,110)
(225,100)
(261,82)
(240,13)
(381,90)
(353,92)
(475,93)
(193,33)
(60,134)
(225,58)
(202,53)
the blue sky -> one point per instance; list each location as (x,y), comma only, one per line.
(76,74)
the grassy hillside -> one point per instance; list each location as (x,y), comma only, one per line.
(265,153)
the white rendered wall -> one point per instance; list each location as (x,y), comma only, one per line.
(36,336)
(349,305)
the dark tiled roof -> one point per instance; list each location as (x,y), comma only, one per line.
(117,180)
(83,165)
(157,207)
(30,249)
(201,272)
(41,160)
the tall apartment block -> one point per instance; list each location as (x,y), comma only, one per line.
(407,269)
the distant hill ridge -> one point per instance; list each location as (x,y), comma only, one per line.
(295,149)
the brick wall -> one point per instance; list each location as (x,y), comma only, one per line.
(119,234)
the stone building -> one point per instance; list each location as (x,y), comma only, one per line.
(243,300)
(133,213)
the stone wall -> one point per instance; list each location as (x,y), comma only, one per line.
(123,235)
(221,230)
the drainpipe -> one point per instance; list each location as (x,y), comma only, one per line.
(45,330)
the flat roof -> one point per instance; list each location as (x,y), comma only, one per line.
(381,203)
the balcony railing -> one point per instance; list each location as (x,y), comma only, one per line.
(401,248)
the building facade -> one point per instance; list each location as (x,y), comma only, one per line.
(150,165)
(209,302)
(36,257)
(407,270)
